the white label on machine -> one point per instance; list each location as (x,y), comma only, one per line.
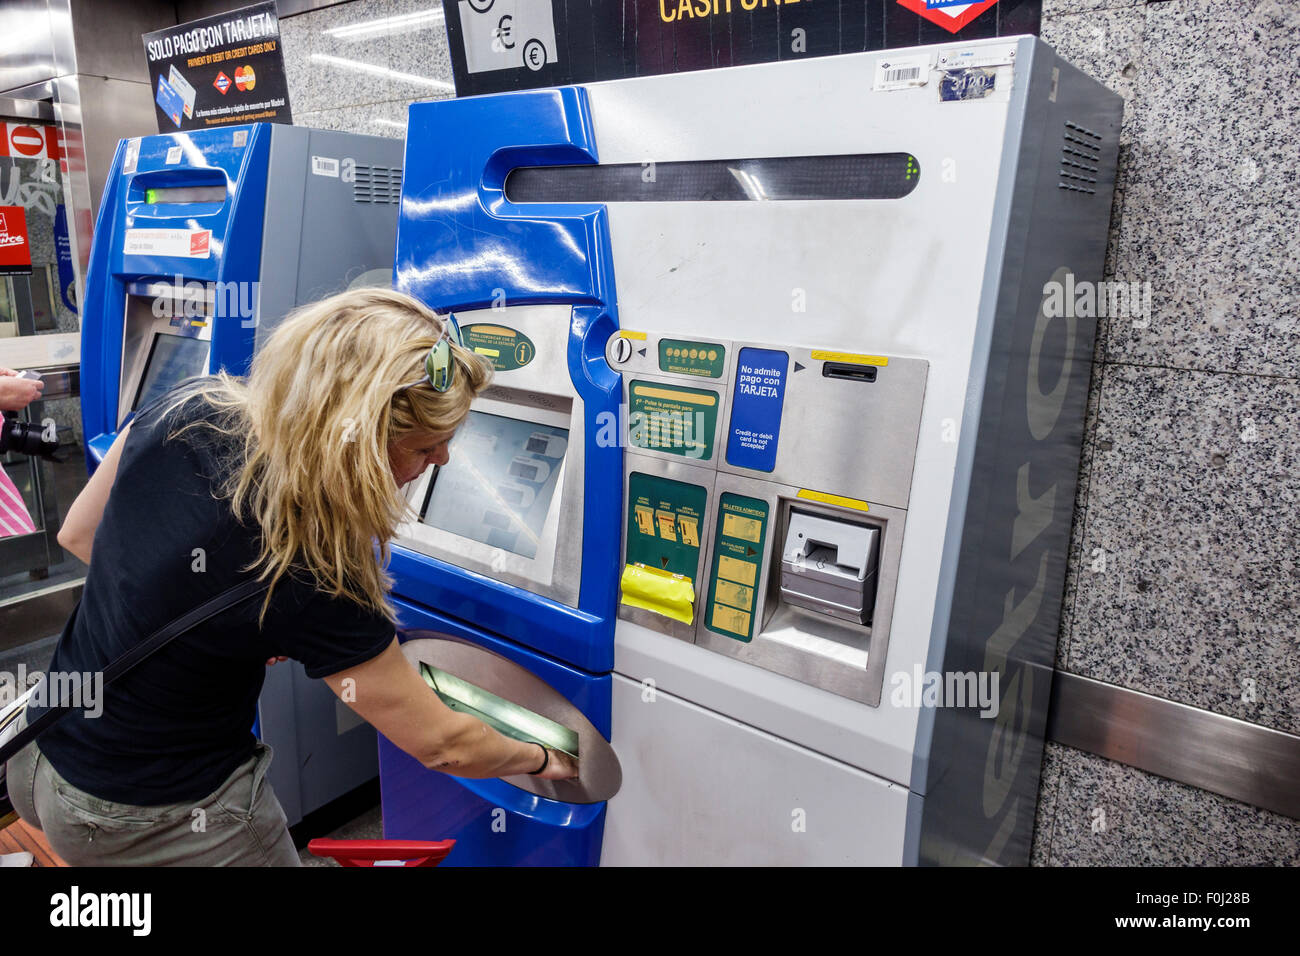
(961,59)
(183,243)
(241,137)
(324,166)
(173,156)
(902,72)
(132,155)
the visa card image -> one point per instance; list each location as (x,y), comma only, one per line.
(183,87)
(170,101)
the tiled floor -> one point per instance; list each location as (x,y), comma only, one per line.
(368,826)
(21,838)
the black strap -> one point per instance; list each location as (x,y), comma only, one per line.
(155,642)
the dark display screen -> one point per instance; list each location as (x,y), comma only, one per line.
(778,178)
(172,359)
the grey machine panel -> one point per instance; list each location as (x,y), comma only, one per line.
(331,217)
(824,457)
(331,224)
(1013,497)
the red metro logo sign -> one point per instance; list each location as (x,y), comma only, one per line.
(15,253)
(952,15)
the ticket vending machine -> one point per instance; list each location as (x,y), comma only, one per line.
(512,554)
(205,241)
(851,375)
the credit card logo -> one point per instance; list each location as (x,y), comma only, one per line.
(169,101)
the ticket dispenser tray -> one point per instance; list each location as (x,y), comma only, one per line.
(829,566)
(517,703)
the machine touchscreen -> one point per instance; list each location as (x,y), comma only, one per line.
(498,486)
(172,359)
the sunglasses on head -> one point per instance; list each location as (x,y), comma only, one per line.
(439,363)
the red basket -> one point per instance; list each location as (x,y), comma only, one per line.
(383,852)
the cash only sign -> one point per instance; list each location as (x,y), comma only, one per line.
(218,71)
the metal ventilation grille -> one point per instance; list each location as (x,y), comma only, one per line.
(1080,159)
(377,184)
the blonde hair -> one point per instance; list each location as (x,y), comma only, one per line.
(310,428)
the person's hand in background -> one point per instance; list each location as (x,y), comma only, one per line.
(16,392)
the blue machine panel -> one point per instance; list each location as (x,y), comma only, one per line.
(141,237)
(492,821)
(462,246)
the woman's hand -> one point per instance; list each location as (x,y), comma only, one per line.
(390,696)
(560,766)
(16,393)
(271,661)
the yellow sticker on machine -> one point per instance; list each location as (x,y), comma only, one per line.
(672,595)
(840,500)
(851,358)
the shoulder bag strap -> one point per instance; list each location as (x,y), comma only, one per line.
(139,652)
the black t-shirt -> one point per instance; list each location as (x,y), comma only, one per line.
(178,724)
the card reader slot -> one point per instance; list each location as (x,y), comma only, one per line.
(849,371)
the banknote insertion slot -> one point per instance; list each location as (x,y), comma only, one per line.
(830,566)
(509,718)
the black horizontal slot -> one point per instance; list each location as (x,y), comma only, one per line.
(776,178)
(849,371)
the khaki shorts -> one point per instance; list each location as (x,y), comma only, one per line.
(241,823)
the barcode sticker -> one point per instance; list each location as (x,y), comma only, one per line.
(173,156)
(902,73)
(324,166)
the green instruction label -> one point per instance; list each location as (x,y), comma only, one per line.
(664,518)
(681,357)
(737,566)
(673,418)
(507,348)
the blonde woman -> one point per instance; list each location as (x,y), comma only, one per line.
(294,476)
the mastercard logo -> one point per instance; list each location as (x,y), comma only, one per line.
(245,79)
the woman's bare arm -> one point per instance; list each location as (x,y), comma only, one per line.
(395,700)
(78,532)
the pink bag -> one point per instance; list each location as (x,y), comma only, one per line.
(14,518)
